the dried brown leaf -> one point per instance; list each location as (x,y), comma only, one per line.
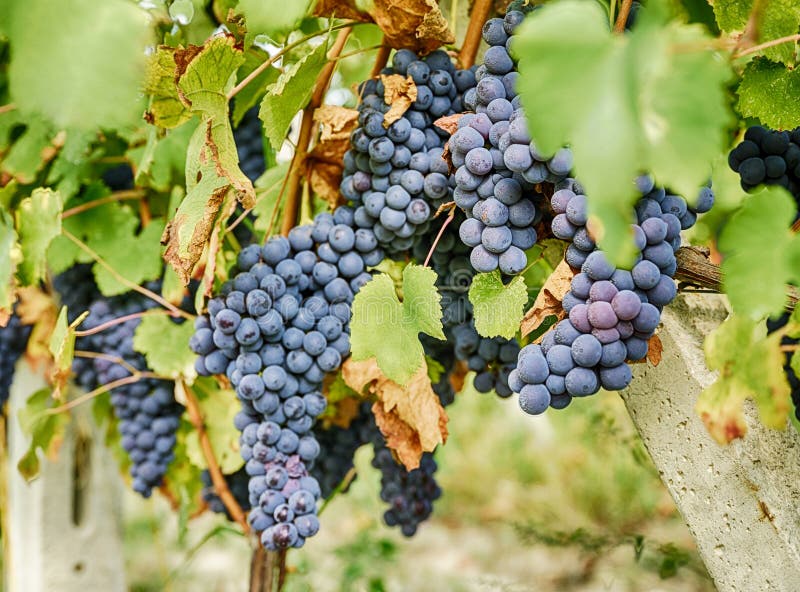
(337,122)
(459,375)
(325,179)
(449,123)
(398,92)
(411,416)
(346,411)
(411,24)
(548,301)
(38,309)
(654,350)
(201,232)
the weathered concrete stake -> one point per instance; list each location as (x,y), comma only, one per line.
(741,502)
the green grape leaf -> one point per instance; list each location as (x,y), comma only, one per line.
(290,93)
(72,166)
(652,100)
(271,17)
(165,345)
(30,152)
(251,94)
(750,365)
(79,63)
(166,108)
(268,190)
(218,406)
(498,309)
(205,74)
(9,258)
(388,330)
(771,93)
(760,250)
(38,222)
(162,160)
(780,18)
(183,477)
(136,257)
(44,429)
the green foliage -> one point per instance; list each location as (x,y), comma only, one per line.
(387,329)
(750,365)
(290,93)
(38,222)
(218,407)
(24,159)
(80,63)
(760,250)
(163,343)
(62,341)
(268,190)
(271,17)
(498,309)
(43,428)
(653,100)
(778,18)
(770,93)
(251,94)
(8,257)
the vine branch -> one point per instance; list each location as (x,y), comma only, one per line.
(123,319)
(217,478)
(472,38)
(306,128)
(128,194)
(381,59)
(103,388)
(125,281)
(765,45)
(622,17)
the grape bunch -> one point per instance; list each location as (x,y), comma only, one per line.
(612,313)
(394,174)
(275,330)
(794,383)
(768,157)
(249,139)
(148,414)
(338,446)
(410,494)
(498,165)
(237,484)
(13,343)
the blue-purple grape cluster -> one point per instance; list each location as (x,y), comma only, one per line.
(13,343)
(275,330)
(394,175)
(249,139)
(237,484)
(497,165)
(768,157)
(410,494)
(612,312)
(148,414)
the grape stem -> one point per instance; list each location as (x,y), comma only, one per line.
(622,17)
(306,131)
(255,73)
(753,26)
(129,194)
(217,478)
(120,320)
(6,108)
(125,281)
(79,353)
(103,388)
(472,38)
(766,45)
(381,59)
(450,218)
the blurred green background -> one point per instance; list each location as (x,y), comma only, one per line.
(561,502)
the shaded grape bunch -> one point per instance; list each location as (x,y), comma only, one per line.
(409,494)
(794,382)
(394,174)
(119,178)
(612,312)
(237,484)
(768,157)
(148,414)
(249,139)
(338,446)
(498,165)
(13,343)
